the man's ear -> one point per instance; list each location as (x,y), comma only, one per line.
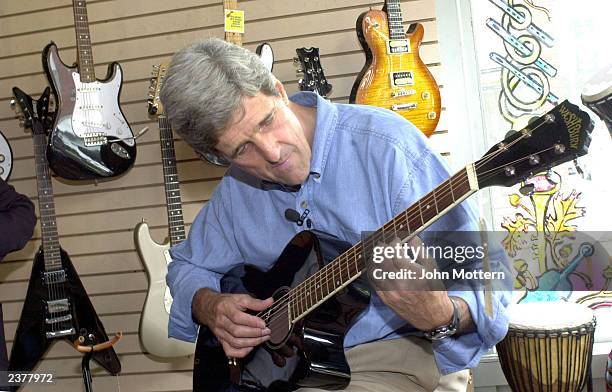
(281,90)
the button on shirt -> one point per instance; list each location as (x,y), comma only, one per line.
(368,165)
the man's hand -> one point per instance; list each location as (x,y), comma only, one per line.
(226,316)
(423,302)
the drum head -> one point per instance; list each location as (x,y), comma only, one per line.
(599,86)
(548,315)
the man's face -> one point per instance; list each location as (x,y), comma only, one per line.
(269,139)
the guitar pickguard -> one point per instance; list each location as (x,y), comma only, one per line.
(96,109)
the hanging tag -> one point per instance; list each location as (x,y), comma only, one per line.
(234,21)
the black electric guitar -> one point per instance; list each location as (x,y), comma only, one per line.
(56,304)
(313,78)
(90,138)
(316,301)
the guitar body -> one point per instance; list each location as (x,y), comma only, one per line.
(417,97)
(31,341)
(6,158)
(319,360)
(84,141)
(156,310)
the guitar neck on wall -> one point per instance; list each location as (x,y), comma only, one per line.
(313,78)
(394,76)
(90,137)
(156,257)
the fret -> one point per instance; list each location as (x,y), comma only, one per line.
(83,41)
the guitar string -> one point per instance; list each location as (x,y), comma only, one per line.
(307,284)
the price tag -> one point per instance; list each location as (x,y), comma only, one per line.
(234,21)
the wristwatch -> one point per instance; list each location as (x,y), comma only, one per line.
(446,330)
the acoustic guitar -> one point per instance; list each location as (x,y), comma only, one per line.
(316,301)
(394,76)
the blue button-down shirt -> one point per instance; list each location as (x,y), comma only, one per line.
(367,166)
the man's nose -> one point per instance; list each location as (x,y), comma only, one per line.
(269,147)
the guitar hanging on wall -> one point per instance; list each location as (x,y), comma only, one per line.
(156,257)
(90,137)
(311,315)
(6,158)
(56,304)
(313,78)
(234,30)
(394,76)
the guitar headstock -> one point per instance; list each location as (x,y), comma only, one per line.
(33,114)
(313,78)
(559,136)
(158,75)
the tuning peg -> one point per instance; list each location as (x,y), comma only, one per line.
(13,104)
(296,60)
(21,123)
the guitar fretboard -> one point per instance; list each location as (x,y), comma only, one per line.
(394,16)
(176,224)
(349,265)
(46,205)
(83,41)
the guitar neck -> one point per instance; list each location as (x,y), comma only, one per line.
(83,41)
(234,38)
(394,16)
(349,265)
(46,206)
(176,224)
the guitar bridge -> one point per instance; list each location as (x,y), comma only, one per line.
(404,106)
(403,93)
(92,139)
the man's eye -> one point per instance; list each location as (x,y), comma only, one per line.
(242,149)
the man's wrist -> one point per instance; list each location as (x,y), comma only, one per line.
(201,304)
(449,328)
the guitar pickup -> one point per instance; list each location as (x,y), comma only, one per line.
(398,46)
(60,305)
(61,319)
(58,276)
(59,334)
(402,78)
(403,93)
(404,106)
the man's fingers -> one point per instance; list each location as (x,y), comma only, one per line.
(250,303)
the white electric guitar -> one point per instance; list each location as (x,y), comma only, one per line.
(154,256)
(6,158)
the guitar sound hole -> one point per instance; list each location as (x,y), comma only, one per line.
(279,321)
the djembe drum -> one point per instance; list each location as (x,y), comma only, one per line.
(597,95)
(548,347)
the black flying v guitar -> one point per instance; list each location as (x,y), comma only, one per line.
(315,302)
(90,138)
(56,304)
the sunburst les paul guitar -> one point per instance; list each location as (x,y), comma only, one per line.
(154,256)
(394,76)
(90,138)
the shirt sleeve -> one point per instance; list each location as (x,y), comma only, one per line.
(424,172)
(200,261)
(17,219)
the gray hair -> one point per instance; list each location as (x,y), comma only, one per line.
(204,87)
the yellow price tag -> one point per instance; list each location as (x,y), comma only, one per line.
(234,21)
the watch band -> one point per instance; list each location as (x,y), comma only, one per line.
(447,329)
